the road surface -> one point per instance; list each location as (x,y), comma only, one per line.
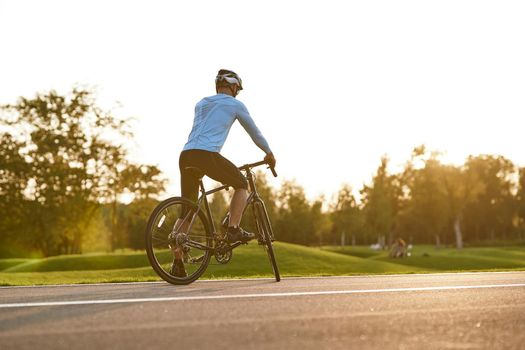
(436,311)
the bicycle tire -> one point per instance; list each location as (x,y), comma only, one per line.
(157,246)
(263,224)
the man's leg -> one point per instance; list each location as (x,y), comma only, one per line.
(237,205)
(222,170)
(235,232)
(189,190)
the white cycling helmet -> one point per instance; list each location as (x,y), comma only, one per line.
(230,77)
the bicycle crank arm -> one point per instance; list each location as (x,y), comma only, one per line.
(235,245)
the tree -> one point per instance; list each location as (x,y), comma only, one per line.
(495,207)
(381,202)
(520,198)
(13,180)
(425,208)
(346,215)
(294,220)
(462,186)
(321,223)
(142,181)
(59,154)
(134,218)
(70,149)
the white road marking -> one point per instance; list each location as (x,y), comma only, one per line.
(260,295)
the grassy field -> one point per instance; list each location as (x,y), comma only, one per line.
(251,261)
(448,259)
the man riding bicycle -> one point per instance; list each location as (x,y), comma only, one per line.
(214,116)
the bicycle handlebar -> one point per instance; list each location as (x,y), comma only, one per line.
(247,167)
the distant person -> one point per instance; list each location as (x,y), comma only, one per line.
(399,249)
(214,116)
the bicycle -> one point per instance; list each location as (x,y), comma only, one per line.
(180,226)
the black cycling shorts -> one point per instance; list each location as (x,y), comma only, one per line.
(213,165)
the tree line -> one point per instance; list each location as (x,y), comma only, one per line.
(62,160)
(479,202)
(64,165)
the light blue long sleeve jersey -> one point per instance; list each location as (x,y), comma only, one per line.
(214,117)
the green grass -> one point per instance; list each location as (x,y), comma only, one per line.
(6,264)
(251,261)
(449,259)
(82,262)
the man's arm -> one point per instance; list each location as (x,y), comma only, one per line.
(249,125)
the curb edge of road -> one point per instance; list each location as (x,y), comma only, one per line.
(258,279)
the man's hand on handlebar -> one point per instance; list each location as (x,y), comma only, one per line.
(270,159)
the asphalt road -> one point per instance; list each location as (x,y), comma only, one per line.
(438,311)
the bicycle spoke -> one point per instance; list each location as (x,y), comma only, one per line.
(160,235)
(160,243)
(159,239)
(191,221)
(163,228)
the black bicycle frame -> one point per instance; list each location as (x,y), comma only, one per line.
(252,198)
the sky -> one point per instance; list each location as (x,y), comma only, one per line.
(333,85)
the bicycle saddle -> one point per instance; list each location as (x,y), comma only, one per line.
(195,172)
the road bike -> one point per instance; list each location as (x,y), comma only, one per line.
(182,228)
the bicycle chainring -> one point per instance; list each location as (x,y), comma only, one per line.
(223,253)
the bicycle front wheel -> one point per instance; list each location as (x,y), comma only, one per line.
(184,260)
(266,235)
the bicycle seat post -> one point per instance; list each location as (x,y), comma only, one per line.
(201,186)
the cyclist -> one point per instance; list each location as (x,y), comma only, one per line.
(214,116)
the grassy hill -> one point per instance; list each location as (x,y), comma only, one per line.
(251,261)
(448,259)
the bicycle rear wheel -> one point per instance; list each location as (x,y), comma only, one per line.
(266,235)
(162,249)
